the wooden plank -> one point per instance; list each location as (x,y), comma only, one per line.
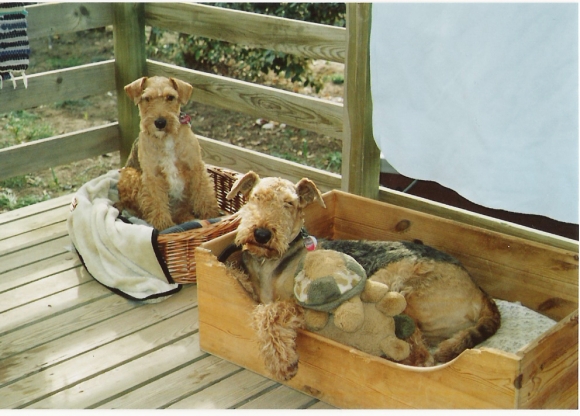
(281,397)
(360,154)
(129,45)
(38,270)
(322,405)
(310,113)
(56,303)
(550,367)
(477,220)
(58,150)
(31,223)
(33,254)
(164,391)
(55,327)
(31,361)
(65,373)
(56,18)
(227,393)
(123,378)
(36,209)
(310,40)
(60,85)
(477,379)
(34,237)
(242,160)
(42,288)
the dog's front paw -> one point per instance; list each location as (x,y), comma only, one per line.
(160,222)
(282,370)
(276,324)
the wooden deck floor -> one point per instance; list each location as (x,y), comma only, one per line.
(68,342)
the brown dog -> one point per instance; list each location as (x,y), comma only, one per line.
(450,311)
(165,180)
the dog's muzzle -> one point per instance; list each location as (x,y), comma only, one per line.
(262,235)
(160,123)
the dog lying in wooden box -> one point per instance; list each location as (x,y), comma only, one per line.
(450,311)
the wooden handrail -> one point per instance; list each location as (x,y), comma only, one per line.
(310,113)
(58,150)
(310,40)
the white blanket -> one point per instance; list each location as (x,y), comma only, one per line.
(120,256)
(482,98)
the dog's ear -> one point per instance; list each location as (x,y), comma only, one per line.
(135,89)
(244,185)
(308,193)
(184,90)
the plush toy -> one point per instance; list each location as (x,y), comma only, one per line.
(341,304)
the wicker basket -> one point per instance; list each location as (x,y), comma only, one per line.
(178,249)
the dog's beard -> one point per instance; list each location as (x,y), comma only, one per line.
(260,250)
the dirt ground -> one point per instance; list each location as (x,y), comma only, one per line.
(80,48)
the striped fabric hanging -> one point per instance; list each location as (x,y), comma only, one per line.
(14,45)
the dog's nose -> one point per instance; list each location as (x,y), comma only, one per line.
(262,235)
(160,123)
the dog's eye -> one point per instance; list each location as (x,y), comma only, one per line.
(147,99)
(170,97)
(289,204)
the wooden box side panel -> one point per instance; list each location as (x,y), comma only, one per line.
(549,372)
(348,378)
(318,220)
(543,278)
(224,313)
(343,376)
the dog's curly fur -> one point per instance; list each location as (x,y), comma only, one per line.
(276,324)
(450,311)
(165,180)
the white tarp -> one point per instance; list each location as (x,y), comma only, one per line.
(481,98)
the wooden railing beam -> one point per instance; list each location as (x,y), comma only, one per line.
(309,40)
(360,154)
(130,64)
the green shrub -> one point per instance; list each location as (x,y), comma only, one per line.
(246,63)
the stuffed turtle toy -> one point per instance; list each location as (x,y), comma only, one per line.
(341,304)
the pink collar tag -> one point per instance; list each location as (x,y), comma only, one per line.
(310,243)
(185,119)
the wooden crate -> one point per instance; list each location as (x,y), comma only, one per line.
(543,374)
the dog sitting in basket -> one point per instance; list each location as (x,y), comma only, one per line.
(165,181)
(449,311)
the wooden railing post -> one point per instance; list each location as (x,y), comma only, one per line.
(130,64)
(360,154)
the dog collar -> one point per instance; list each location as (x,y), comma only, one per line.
(185,119)
(228,251)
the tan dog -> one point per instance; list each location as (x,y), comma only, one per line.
(165,180)
(449,310)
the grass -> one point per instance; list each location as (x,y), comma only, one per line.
(61,63)
(8,200)
(23,127)
(295,145)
